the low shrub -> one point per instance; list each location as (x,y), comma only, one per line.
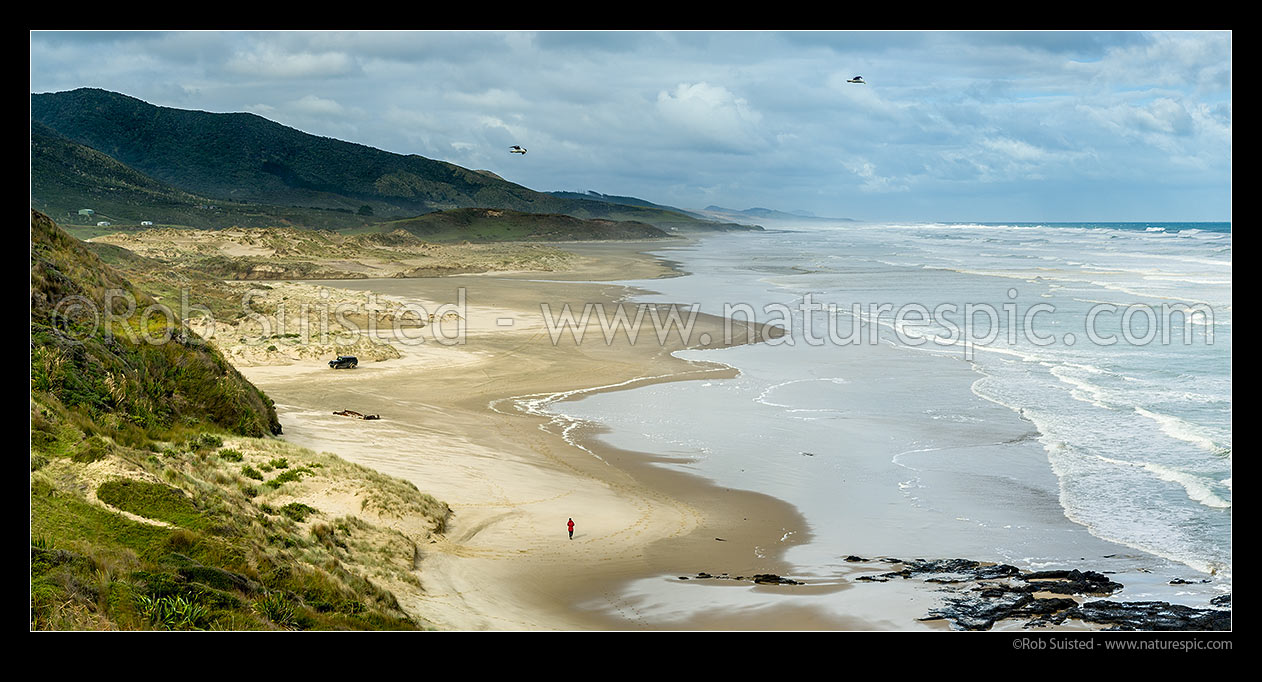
(298,511)
(230,455)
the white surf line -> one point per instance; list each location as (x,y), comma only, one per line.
(1206,567)
(1011,441)
(905,487)
(762,397)
(1196,490)
(1188,432)
(536,404)
(1195,486)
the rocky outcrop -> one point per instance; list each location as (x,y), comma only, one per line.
(943,570)
(1151,615)
(982,594)
(1071,582)
(757,578)
(773,579)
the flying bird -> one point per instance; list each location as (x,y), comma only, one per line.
(857,79)
(516,150)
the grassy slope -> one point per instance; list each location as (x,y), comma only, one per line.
(96,351)
(208,533)
(141,519)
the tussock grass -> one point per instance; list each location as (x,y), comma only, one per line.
(141,515)
(234,556)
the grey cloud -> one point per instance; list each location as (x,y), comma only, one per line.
(1080,44)
(584,41)
(730,116)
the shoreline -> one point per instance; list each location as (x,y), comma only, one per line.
(498,568)
(505,563)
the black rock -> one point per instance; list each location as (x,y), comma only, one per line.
(971,613)
(1047,607)
(1071,582)
(1003,592)
(951,570)
(996,571)
(773,579)
(988,603)
(759,578)
(1152,615)
(940,565)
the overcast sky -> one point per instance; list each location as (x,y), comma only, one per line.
(951,126)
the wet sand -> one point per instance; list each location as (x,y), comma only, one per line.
(451,425)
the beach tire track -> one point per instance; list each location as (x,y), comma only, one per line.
(654,510)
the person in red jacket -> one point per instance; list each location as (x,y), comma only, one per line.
(571,527)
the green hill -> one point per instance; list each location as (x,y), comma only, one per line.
(61,167)
(244,159)
(67,176)
(247,158)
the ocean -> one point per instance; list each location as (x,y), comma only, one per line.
(1050,395)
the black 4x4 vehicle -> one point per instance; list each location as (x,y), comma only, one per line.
(344,362)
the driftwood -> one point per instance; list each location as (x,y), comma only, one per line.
(356,415)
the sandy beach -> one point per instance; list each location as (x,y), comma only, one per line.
(450,424)
(466,378)
(627,331)
(806,490)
